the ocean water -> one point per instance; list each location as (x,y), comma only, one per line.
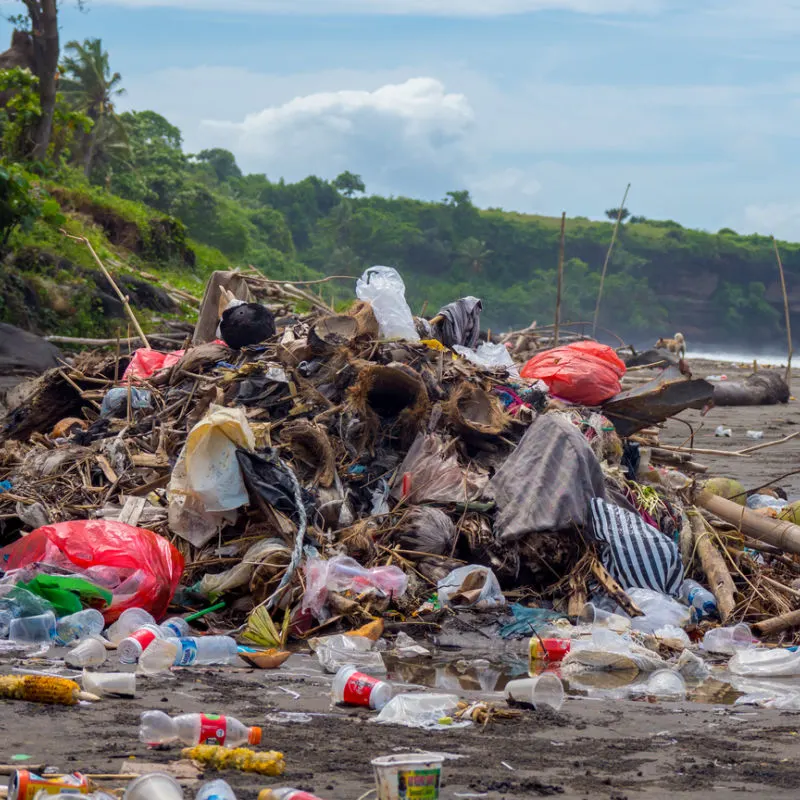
(738,357)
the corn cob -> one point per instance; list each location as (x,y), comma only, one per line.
(40,689)
(216,757)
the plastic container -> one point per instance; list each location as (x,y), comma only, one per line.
(205,650)
(175,626)
(155,786)
(88,653)
(552,650)
(699,598)
(542,691)
(103,684)
(129,622)
(412,775)
(216,790)
(131,648)
(25,785)
(727,641)
(353,688)
(82,625)
(191,729)
(666,684)
(40,629)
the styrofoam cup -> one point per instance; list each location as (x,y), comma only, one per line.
(90,652)
(122,684)
(155,786)
(408,775)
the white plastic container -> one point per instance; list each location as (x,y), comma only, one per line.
(131,648)
(155,786)
(129,621)
(353,688)
(40,629)
(216,790)
(81,625)
(542,691)
(156,727)
(394,774)
(103,684)
(90,652)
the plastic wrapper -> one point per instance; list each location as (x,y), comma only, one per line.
(145,363)
(420,711)
(660,611)
(115,401)
(384,289)
(773,663)
(490,356)
(471,586)
(692,667)
(606,650)
(583,372)
(335,652)
(140,568)
(234,578)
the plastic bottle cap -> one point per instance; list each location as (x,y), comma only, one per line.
(254,737)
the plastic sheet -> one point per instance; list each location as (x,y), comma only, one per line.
(472,586)
(384,289)
(140,568)
(490,356)
(420,711)
(145,363)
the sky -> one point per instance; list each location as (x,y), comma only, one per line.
(539,106)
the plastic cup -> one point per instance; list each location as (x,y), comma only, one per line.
(131,648)
(122,684)
(155,786)
(33,630)
(129,621)
(354,688)
(728,640)
(543,691)
(666,684)
(600,618)
(408,775)
(90,652)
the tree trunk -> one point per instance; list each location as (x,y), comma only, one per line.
(89,142)
(46,49)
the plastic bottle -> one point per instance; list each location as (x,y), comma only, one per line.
(699,598)
(81,625)
(176,626)
(129,621)
(131,648)
(216,790)
(191,729)
(205,650)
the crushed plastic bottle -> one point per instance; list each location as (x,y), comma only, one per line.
(130,620)
(216,790)
(191,729)
(699,598)
(81,625)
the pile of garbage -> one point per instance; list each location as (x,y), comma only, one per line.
(290,473)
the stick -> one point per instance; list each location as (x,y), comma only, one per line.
(615,590)
(107,342)
(557,325)
(114,286)
(687,544)
(608,258)
(719,579)
(788,315)
(777,624)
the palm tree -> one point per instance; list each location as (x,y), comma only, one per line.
(473,251)
(88,86)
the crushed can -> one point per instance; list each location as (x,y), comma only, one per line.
(25,785)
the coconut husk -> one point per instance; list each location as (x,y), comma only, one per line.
(312,453)
(474,412)
(331,333)
(362,313)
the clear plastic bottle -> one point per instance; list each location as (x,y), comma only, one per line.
(80,625)
(216,790)
(129,621)
(176,626)
(203,650)
(699,598)
(191,729)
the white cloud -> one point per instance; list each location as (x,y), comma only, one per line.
(408,137)
(449,8)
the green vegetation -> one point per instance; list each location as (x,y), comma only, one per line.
(125,182)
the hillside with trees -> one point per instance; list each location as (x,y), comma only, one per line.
(71,163)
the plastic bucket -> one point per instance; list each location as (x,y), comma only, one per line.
(156,786)
(412,776)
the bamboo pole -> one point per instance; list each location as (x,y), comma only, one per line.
(107,274)
(608,258)
(717,575)
(557,325)
(786,312)
(779,624)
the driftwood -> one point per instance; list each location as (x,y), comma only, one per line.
(779,533)
(717,576)
(765,388)
(784,622)
(687,544)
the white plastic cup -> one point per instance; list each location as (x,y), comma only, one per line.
(421,773)
(129,621)
(666,684)
(122,684)
(728,640)
(90,652)
(353,688)
(544,691)
(599,618)
(131,648)
(155,786)
(40,629)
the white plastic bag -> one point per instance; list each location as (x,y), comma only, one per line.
(420,711)
(490,356)
(660,611)
(384,289)
(479,586)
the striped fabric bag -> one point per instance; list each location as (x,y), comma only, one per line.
(634,553)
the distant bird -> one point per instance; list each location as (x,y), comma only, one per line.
(243,323)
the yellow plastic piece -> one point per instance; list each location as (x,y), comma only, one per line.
(372,630)
(239,758)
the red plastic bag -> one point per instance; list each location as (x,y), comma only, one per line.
(145,363)
(140,568)
(584,372)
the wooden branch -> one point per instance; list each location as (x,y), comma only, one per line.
(687,544)
(787,313)
(608,258)
(784,622)
(615,590)
(719,579)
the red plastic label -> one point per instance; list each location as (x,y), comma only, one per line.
(213,729)
(358,689)
(144,636)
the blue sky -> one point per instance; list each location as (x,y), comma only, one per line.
(532,105)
